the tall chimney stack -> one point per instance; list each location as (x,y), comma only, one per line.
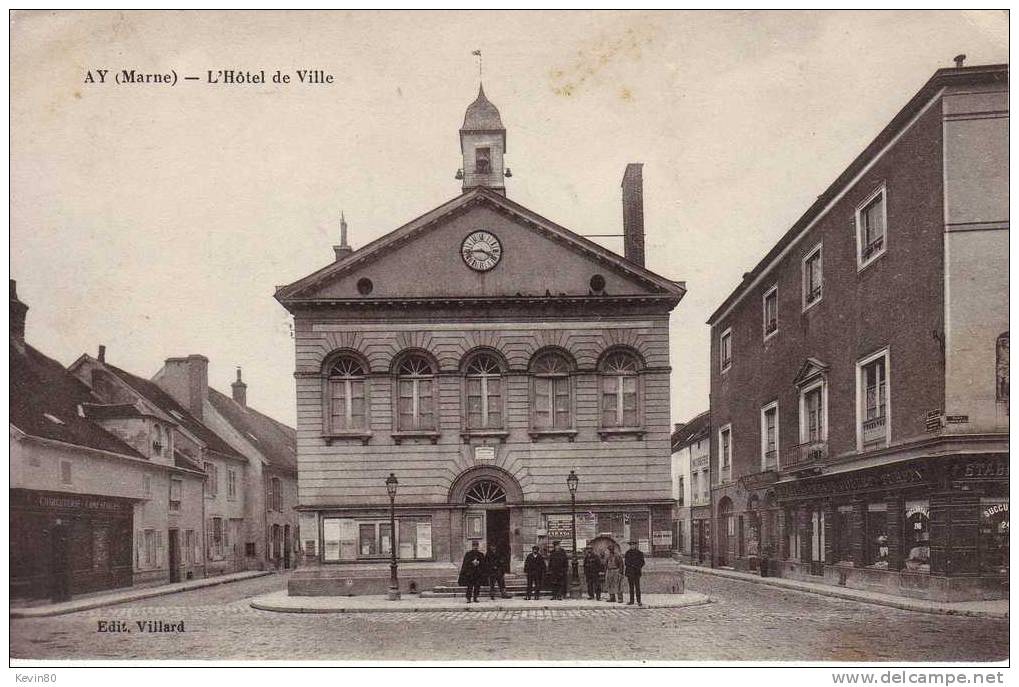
(633,213)
(102,354)
(342,250)
(240,390)
(18,312)
(187,380)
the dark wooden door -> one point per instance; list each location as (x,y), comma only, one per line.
(174,550)
(497,533)
(60,563)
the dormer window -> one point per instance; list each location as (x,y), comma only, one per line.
(483,160)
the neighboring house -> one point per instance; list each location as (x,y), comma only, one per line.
(859,373)
(100,497)
(481,353)
(691,456)
(275,446)
(223,537)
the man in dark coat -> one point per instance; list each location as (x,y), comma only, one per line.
(634,563)
(534,568)
(558,577)
(496,561)
(592,573)
(473,572)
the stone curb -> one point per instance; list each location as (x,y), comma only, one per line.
(905,605)
(264,603)
(126,597)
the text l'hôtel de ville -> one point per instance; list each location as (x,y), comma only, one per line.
(214,77)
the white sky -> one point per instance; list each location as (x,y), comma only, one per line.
(159,220)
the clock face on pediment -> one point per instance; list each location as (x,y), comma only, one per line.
(481,250)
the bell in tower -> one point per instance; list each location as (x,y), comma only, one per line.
(483,144)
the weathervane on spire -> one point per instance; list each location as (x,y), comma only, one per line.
(477,53)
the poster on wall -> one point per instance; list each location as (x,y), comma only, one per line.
(331,540)
(424,540)
(559,526)
(661,537)
(644,545)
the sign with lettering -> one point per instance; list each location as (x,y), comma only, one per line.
(997,508)
(78,502)
(661,538)
(932,421)
(559,526)
(957,419)
(484,454)
(854,482)
(979,469)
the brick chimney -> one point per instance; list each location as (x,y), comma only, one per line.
(342,250)
(101,357)
(187,380)
(18,312)
(633,213)
(240,390)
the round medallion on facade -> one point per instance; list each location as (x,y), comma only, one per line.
(481,250)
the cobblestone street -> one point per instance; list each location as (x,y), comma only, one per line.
(746,622)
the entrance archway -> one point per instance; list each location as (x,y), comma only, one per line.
(486,494)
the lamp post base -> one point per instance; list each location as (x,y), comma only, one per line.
(394,594)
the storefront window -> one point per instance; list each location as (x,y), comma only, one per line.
(994,536)
(876,553)
(843,518)
(349,539)
(916,536)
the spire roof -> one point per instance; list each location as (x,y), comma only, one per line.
(482,115)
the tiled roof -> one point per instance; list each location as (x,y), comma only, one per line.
(103,411)
(696,430)
(44,403)
(275,440)
(151,391)
(482,115)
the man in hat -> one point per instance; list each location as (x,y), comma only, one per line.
(613,574)
(558,577)
(473,572)
(534,568)
(496,570)
(633,563)
(592,573)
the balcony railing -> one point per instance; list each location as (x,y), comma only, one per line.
(873,430)
(814,294)
(806,454)
(873,247)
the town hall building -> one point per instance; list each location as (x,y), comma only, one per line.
(480,353)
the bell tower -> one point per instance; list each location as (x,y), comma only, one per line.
(483,145)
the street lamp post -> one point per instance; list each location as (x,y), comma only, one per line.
(572,481)
(394,583)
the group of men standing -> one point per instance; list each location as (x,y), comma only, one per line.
(553,573)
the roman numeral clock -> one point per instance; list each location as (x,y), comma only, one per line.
(481,251)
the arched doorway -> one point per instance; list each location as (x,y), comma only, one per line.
(486,495)
(726,531)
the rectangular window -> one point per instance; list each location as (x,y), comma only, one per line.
(65,472)
(813,429)
(552,402)
(619,400)
(873,400)
(189,547)
(147,485)
(876,552)
(770,311)
(231,484)
(415,404)
(277,494)
(175,488)
(212,479)
(813,280)
(150,548)
(725,452)
(769,437)
(871,224)
(679,490)
(725,350)
(348,404)
(217,537)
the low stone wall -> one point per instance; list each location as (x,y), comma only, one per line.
(907,583)
(341,580)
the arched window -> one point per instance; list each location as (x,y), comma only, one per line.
(484,392)
(551,406)
(619,389)
(346,395)
(415,382)
(485,492)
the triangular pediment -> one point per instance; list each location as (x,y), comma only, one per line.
(811,369)
(423,259)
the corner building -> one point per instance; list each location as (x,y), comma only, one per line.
(480,353)
(859,383)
